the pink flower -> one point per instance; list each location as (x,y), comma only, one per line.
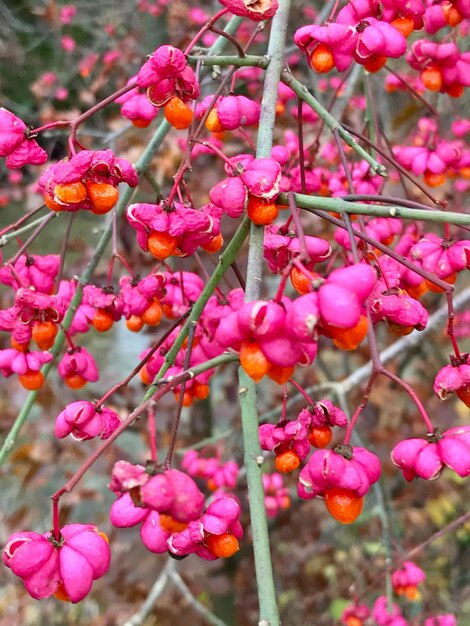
(256,11)
(345,467)
(67,43)
(218,475)
(440,256)
(79,366)
(402,312)
(84,420)
(208,537)
(383,617)
(280,248)
(406,579)
(15,145)
(262,178)
(426,458)
(276,495)
(15,362)
(85,181)
(358,611)
(454,378)
(166,75)
(38,271)
(65,568)
(441,620)
(67,13)
(184,228)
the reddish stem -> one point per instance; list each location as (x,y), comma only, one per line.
(360,408)
(152,432)
(204,29)
(302,392)
(410,391)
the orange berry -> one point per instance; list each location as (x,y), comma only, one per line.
(350,338)
(168,312)
(140,123)
(135,323)
(75,381)
(343,504)
(44,334)
(187,398)
(354,621)
(435,289)
(300,281)
(145,376)
(261,212)
(103,197)
(161,245)
(153,314)
(61,594)
(52,204)
(214,245)
(322,60)
(280,375)
(253,361)
(434,180)
(320,436)
(280,108)
(178,113)
(464,394)
(465,172)
(170,524)
(375,63)
(431,78)
(398,330)
(103,320)
(404,25)
(200,391)
(417,291)
(212,122)
(410,591)
(21,347)
(211,484)
(70,193)
(32,380)
(222,546)
(451,14)
(287,461)
(455,91)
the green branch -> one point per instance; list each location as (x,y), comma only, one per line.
(377,210)
(302,92)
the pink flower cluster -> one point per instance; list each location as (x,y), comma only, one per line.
(406,580)
(170,508)
(77,183)
(260,178)
(276,494)
(346,467)
(454,378)
(15,144)
(86,420)
(218,475)
(426,458)
(65,567)
(355,35)
(229,112)
(176,230)
(166,75)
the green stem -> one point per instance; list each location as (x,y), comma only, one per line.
(339,205)
(227,258)
(250,60)
(302,92)
(269,613)
(4,239)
